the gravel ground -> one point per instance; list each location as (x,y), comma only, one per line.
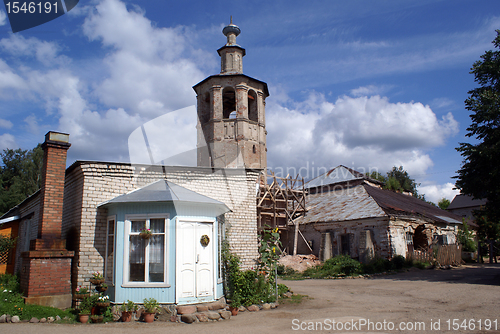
(411,299)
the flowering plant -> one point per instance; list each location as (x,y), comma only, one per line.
(97,275)
(103,299)
(81,291)
(145,233)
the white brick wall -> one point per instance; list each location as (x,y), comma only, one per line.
(91,183)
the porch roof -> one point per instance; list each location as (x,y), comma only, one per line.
(165,191)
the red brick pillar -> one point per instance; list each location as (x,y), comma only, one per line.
(46,269)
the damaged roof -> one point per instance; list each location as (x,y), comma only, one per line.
(339,174)
(367,201)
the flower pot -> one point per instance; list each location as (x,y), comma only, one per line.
(148,317)
(97,318)
(126,316)
(102,304)
(101,288)
(234,310)
(96,281)
(82,295)
(83,318)
(145,236)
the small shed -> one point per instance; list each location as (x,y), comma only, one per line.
(179,261)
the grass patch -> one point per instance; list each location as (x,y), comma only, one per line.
(12,302)
(343,265)
(295,299)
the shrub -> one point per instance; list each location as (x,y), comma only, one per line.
(398,262)
(344,263)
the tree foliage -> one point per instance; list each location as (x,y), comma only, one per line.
(19,175)
(398,179)
(444,203)
(479,175)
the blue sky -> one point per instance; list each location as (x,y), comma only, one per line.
(366,84)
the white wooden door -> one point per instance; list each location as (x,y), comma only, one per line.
(195,263)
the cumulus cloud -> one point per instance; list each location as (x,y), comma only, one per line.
(436,192)
(3,18)
(370,90)
(362,133)
(5,124)
(151,69)
(7,141)
(45,52)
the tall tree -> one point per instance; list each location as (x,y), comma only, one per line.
(398,179)
(479,175)
(444,203)
(19,175)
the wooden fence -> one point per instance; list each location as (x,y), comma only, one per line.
(442,254)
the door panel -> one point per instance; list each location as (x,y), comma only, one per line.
(204,267)
(195,263)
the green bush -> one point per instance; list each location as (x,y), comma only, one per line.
(345,264)
(398,262)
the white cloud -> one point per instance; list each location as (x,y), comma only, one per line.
(370,90)
(362,133)
(7,141)
(32,124)
(436,192)
(148,66)
(8,78)
(5,124)
(45,52)
(3,18)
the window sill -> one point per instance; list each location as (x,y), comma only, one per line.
(145,285)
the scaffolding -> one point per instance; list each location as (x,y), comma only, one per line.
(280,202)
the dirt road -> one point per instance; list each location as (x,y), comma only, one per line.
(413,300)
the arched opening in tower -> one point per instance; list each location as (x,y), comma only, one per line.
(253,114)
(228,103)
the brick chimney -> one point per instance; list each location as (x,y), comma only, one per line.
(46,268)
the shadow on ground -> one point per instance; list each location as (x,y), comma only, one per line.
(483,274)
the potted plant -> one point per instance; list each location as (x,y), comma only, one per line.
(97,318)
(81,293)
(97,278)
(102,287)
(235,304)
(83,315)
(103,301)
(145,233)
(151,306)
(127,310)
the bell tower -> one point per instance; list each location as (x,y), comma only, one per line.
(231,112)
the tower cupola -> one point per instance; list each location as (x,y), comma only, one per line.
(231,54)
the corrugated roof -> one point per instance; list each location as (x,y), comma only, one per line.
(337,175)
(164,191)
(393,202)
(340,205)
(465,201)
(366,201)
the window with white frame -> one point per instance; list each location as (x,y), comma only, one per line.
(145,257)
(109,263)
(221,237)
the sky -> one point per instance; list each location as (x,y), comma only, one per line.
(361,83)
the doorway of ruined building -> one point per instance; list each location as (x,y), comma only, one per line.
(420,240)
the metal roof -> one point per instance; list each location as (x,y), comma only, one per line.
(165,191)
(346,204)
(339,174)
(464,201)
(367,201)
